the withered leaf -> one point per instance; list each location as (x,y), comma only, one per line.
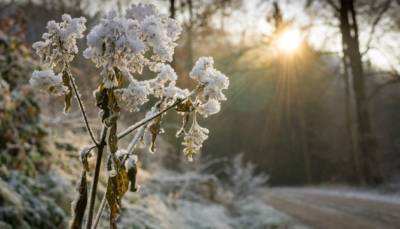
(79,205)
(185,121)
(68,96)
(155,130)
(101,95)
(83,156)
(116,187)
(185,106)
(132,173)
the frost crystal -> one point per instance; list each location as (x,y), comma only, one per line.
(160,33)
(59,45)
(166,73)
(122,41)
(47,81)
(140,11)
(131,161)
(116,42)
(193,140)
(212,106)
(175,92)
(213,80)
(135,95)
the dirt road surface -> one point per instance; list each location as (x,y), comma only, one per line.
(319,209)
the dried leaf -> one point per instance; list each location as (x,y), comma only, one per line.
(101,96)
(68,96)
(155,130)
(185,121)
(131,168)
(116,188)
(79,205)
(83,156)
(186,106)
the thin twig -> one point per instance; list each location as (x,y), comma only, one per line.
(144,121)
(376,90)
(82,108)
(99,212)
(96,176)
(135,140)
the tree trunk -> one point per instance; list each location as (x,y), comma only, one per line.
(370,170)
(353,147)
(172,8)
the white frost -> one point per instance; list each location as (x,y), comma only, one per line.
(213,80)
(47,81)
(193,140)
(135,95)
(212,106)
(59,45)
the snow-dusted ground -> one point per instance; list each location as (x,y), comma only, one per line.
(190,200)
(337,207)
(357,193)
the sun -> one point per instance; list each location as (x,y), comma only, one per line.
(289,40)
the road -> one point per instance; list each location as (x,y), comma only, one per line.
(319,209)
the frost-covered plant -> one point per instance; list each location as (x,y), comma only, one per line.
(121,46)
(243,177)
(47,81)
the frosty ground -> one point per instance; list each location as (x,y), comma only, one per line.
(190,198)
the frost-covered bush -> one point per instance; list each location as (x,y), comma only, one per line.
(243,177)
(121,46)
(21,130)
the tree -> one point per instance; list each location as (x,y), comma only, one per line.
(369,168)
(358,38)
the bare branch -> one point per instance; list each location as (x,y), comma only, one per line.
(381,11)
(334,5)
(394,80)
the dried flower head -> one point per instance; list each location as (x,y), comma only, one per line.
(135,95)
(59,45)
(213,80)
(47,81)
(193,140)
(212,106)
(122,41)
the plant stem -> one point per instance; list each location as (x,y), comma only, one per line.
(135,140)
(99,212)
(142,125)
(129,151)
(82,108)
(144,121)
(96,176)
